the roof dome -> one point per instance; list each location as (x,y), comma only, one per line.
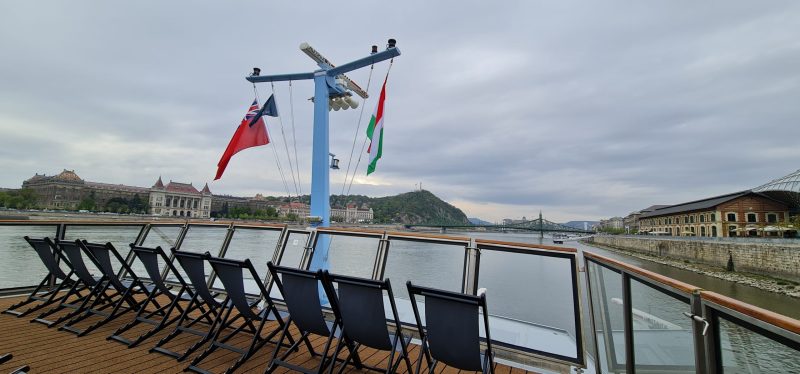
(786,189)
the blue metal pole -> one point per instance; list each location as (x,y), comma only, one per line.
(320,170)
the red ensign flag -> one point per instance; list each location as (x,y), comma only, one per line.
(247,135)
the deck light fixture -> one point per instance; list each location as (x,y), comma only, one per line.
(256,72)
(391,43)
(334,162)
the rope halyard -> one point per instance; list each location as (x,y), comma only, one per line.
(364,144)
(294,140)
(286,147)
(355,137)
(277,160)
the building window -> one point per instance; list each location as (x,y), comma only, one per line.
(732,217)
(195,204)
(772,218)
(691,219)
(702,230)
(702,218)
(751,217)
(714,231)
(713,217)
(732,230)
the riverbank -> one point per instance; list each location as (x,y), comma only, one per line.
(771,284)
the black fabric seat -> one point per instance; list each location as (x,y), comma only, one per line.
(121,299)
(232,274)
(71,252)
(48,253)
(149,257)
(360,303)
(451,334)
(300,290)
(202,299)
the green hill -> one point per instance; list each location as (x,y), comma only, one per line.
(418,207)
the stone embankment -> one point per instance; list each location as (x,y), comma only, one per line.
(769,265)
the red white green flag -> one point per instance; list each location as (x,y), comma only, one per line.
(375,132)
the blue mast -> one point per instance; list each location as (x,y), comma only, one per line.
(329,82)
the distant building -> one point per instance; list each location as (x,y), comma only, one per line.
(299,209)
(745,213)
(352,214)
(67,190)
(631,221)
(179,200)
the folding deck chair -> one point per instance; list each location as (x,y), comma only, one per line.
(71,253)
(300,290)
(48,253)
(231,274)
(121,299)
(360,303)
(451,333)
(149,257)
(202,299)
(20,370)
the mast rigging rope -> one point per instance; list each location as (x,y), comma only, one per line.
(286,147)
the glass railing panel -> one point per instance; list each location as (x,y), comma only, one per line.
(119,236)
(348,255)
(424,264)
(662,334)
(18,261)
(293,252)
(605,286)
(744,350)
(163,236)
(204,239)
(292,256)
(258,245)
(532,300)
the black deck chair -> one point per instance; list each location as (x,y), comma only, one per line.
(231,273)
(149,257)
(20,370)
(122,291)
(48,253)
(203,299)
(451,333)
(360,303)
(70,252)
(300,290)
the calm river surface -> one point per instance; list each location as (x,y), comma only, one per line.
(533,290)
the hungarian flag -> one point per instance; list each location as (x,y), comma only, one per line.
(375,132)
(252,132)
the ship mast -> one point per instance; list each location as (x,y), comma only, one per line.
(330,85)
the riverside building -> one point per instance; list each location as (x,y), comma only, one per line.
(744,213)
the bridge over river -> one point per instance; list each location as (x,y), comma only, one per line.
(540,225)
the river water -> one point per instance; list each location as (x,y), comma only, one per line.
(528,295)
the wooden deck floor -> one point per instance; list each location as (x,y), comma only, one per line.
(48,350)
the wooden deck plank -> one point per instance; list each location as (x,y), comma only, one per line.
(49,350)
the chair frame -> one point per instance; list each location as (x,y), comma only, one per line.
(237,299)
(149,258)
(332,327)
(478,301)
(123,293)
(395,339)
(202,296)
(50,258)
(71,253)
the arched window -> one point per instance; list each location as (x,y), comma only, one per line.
(714,231)
(732,230)
(702,230)
(752,217)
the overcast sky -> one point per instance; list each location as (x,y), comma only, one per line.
(581,110)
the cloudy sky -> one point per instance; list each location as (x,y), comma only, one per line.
(581,110)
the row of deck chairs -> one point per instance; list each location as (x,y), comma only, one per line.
(356,310)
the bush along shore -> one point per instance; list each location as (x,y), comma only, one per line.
(781,286)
